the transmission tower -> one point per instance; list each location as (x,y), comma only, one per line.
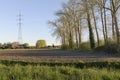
(20,29)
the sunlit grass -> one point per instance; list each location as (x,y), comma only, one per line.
(37,72)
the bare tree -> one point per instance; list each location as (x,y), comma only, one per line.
(93,5)
(91,35)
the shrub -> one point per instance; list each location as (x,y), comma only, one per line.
(85,46)
(41,44)
(26,45)
(110,48)
(113,48)
(100,48)
(64,47)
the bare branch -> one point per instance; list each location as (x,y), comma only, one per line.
(117,8)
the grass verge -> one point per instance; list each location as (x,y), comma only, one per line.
(22,70)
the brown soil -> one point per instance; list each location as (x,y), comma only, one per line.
(55,55)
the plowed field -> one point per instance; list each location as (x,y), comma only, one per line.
(55,55)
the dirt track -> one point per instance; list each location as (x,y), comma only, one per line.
(55,55)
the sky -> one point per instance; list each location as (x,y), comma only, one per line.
(35,17)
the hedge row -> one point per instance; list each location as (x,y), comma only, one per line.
(108,65)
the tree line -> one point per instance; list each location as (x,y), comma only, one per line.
(16,45)
(99,19)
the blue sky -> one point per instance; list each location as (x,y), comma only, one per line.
(35,15)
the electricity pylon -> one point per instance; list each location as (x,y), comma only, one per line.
(20,29)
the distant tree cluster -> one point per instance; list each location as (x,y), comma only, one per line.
(40,44)
(14,45)
(99,19)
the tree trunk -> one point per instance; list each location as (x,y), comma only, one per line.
(76,36)
(103,27)
(117,29)
(79,31)
(70,40)
(115,21)
(91,35)
(105,24)
(113,27)
(95,23)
